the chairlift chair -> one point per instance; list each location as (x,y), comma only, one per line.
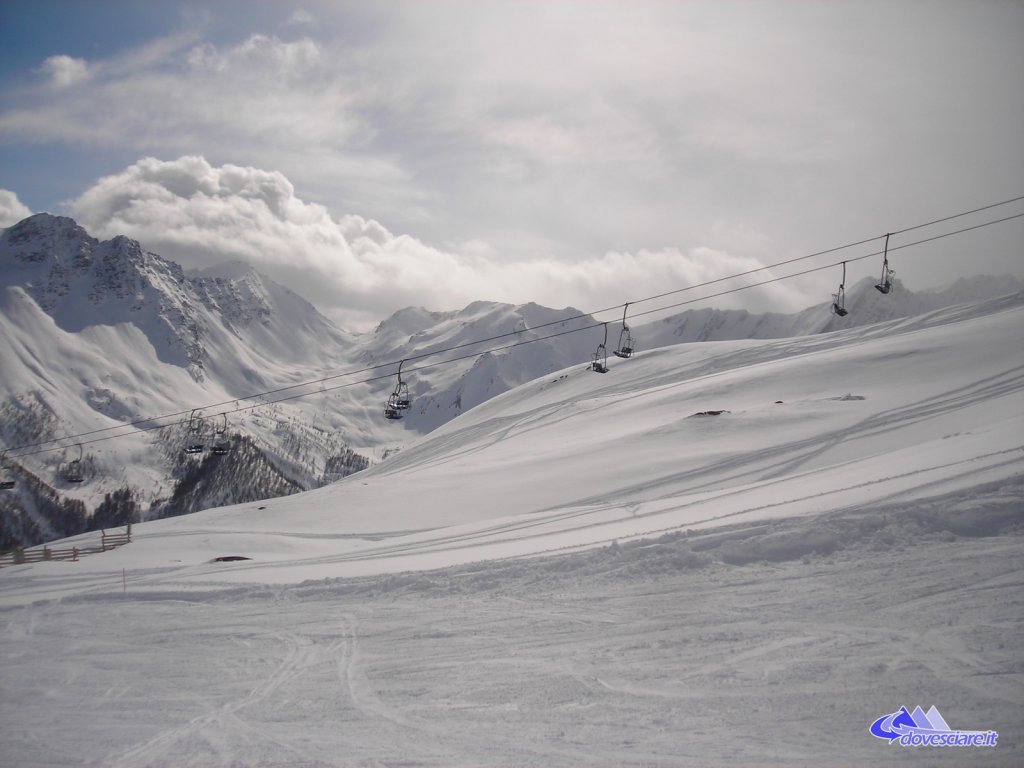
(885,285)
(839,297)
(399,400)
(392,409)
(401,393)
(196,430)
(71,471)
(600,361)
(625,348)
(402,398)
(221,447)
(7,481)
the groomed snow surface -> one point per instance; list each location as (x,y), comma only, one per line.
(582,571)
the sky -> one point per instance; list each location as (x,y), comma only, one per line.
(372,156)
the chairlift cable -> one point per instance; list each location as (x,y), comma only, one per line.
(956,216)
(138,425)
(254,406)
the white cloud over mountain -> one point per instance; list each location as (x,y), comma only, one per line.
(586,151)
(352,267)
(12,210)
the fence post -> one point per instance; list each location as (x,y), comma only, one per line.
(19,556)
(47,554)
(103,539)
(129,531)
(74,554)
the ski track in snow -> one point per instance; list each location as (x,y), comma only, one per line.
(617,659)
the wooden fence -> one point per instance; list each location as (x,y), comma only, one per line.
(39,554)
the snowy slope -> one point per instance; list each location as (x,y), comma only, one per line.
(627,583)
(95,335)
(442,390)
(865,304)
(877,414)
(103,333)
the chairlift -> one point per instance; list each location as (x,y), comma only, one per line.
(600,361)
(7,482)
(625,348)
(402,398)
(196,430)
(839,297)
(399,400)
(221,446)
(885,285)
(71,471)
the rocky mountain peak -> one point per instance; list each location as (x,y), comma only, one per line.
(45,238)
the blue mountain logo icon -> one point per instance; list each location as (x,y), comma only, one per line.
(927,729)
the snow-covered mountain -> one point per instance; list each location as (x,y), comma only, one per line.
(98,336)
(685,436)
(204,322)
(866,306)
(445,389)
(584,570)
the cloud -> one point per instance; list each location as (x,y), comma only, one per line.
(11,209)
(539,139)
(300,17)
(459,122)
(301,105)
(257,94)
(65,71)
(498,135)
(353,268)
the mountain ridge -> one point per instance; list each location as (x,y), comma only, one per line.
(97,335)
